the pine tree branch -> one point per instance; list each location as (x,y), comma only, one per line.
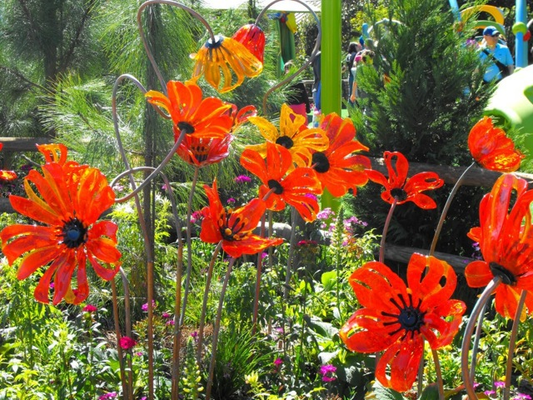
(34,32)
(76,40)
(23,78)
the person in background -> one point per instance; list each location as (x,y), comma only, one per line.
(497,56)
(353,49)
(367,61)
(297,98)
(317,85)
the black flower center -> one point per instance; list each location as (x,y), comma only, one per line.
(285,141)
(273,184)
(200,152)
(320,162)
(216,44)
(74,233)
(409,317)
(232,232)
(398,194)
(185,126)
(507,276)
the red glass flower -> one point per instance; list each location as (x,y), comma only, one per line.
(72,198)
(201,117)
(492,149)
(338,167)
(396,318)
(293,189)
(506,242)
(398,187)
(293,135)
(224,60)
(234,227)
(204,151)
(253,38)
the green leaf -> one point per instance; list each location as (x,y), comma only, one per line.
(324,329)
(430,392)
(329,279)
(380,392)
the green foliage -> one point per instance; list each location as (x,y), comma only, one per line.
(434,94)
(190,380)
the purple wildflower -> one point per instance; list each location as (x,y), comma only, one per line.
(327,371)
(325,213)
(89,308)
(242,179)
(107,396)
(144,307)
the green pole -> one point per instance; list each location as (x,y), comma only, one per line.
(331,92)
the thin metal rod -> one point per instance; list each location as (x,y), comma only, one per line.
(145,43)
(385,230)
(216,330)
(438,372)
(204,301)
(477,337)
(446,208)
(189,244)
(512,344)
(469,330)
(156,171)
(118,335)
(127,316)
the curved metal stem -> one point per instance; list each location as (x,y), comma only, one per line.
(385,230)
(485,296)
(216,330)
(438,372)
(204,302)
(512,344)
(477,336)
(259,266)
(189,244)
(127,316)
(125,386)
(292,245)
(145,43)
(446,207)
(306,64)
(156,171)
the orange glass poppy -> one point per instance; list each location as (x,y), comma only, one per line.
(293,134)
(72,198)
(201,117)
(5,175)
(398,187)
(55,152)
(204,151)
(396,318)
(225,62)
(338,167)
(492,149)
(293,188)
(234,227)
(253,38)
(506,242)
(241,116)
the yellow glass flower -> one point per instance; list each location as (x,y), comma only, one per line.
(225,62)
(293,134)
